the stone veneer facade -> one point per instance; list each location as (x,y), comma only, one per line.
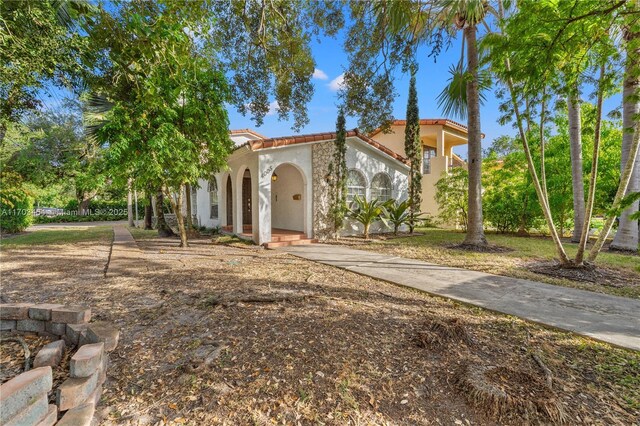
(321,157)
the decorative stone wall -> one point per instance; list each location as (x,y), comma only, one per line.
(25,398)
(322,156)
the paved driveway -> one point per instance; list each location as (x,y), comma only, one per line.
(603,317)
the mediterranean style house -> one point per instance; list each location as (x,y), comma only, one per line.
(275,190)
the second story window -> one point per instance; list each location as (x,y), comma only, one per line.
(428,153)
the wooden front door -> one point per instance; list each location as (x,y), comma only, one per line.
(246,201)
(229,202)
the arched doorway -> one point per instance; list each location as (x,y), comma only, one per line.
(287,199)
(229,202)
(246,198)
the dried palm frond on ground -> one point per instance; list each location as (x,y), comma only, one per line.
(505,392)
(436,333)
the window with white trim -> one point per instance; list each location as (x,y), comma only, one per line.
(428,153)
(356,185)
(381,187)
(213,197)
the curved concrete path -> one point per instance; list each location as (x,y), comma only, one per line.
(611,319)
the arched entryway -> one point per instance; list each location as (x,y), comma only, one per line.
(246,198)
(229,202)
(287,199)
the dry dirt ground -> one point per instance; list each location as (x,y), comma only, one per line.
(234,334)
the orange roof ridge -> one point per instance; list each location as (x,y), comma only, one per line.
(250,131)
(428,122)
(317,137)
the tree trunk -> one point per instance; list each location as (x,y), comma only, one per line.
(130,203)
(83,206)
(189,212)
(627,235)
(177,209)
(544,202)
(575,143)
(164,230)
(148,213)
(366,231)
(475,232)
(584,234)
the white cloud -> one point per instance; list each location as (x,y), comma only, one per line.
(273,108)
(337,83)
(319,74)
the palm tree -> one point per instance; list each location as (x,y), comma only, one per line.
(467,15)
(626,237)
(463,95)
(366,212)
(397,214)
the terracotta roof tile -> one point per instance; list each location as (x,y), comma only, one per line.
(316,137)
(428,122)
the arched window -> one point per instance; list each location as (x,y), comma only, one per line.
(356,185)
(381,187)
(213,197)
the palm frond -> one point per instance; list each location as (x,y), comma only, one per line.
(452,101)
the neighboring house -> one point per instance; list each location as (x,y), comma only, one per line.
(275,190)
(438,137)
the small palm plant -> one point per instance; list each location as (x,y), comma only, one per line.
(396,213)
(366,212)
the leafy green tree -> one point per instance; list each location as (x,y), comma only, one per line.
(509,200)
(366,212)
(413,150)
(338,179)
(39,46)
(528,57)
(168,123)
(452,196)
(265,49)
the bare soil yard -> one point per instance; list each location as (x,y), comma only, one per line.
(234,334)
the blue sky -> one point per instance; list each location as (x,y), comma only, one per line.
(431,79)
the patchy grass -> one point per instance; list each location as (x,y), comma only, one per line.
(69,235)
(434,245)
(296,342)
(142,234)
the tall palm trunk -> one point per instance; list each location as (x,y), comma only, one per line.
(627,236)
(575,143)
(475,232)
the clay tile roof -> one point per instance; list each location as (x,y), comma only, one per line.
(317,137)
(251,132)
(426,122)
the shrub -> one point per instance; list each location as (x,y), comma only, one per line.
(366,212)
(16,205)
(396,213)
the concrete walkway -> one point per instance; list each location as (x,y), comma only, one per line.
(126,257)
(607,318)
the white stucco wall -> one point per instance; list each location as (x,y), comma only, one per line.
(294,178)
(286,211)
(371,161)
(269,159)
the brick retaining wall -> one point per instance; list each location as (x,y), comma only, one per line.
(24,399)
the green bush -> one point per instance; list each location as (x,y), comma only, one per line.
(65,218)
(16,206)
